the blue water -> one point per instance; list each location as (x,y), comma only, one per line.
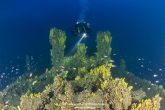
(137,27)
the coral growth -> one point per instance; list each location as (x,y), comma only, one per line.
(104,40)
(57,40)
(32,102)
(146,86)
(148,104)
(118,94)
(80,82)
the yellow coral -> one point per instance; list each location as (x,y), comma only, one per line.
(103,71)
(104,84)
(31,102)
(77,78)
(58,81)
(148,104)
(18,107)
(119,94)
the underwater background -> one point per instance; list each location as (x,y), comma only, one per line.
(137,28)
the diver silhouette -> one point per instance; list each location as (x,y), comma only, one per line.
(80,28)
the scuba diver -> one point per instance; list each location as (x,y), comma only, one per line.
(81,29)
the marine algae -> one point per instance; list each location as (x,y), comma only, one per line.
(79,81)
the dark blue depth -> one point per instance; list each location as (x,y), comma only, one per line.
(137,27)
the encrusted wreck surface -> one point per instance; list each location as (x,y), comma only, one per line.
(82,82)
